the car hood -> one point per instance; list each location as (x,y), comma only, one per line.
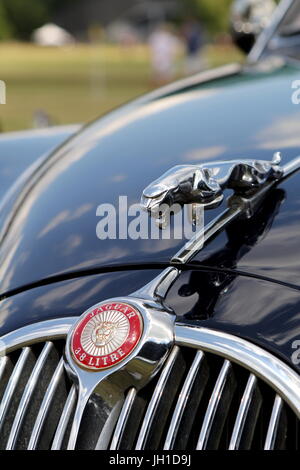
(48,224)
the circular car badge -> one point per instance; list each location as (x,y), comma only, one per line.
(106,335)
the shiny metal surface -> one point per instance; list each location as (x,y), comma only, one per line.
(232,349)
(193,246)
(242,413)
(264,38)
(157,289)
(237,206)
(237,175)
(156,397)
(182,401)
(273,371)
(274,423)
(291,166)
(122,421)
(204,184)
(212,406)
(217,176)
(3,363)
(24,338)
(28,395)
(147,358)
(45,406)
(64,419)
(36,332)
(12,384)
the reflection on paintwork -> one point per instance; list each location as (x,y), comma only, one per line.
(68,298)
(203,154)
(236,241)
(264,312)
(282,133)
(64,217)
(18,150)
(272,320)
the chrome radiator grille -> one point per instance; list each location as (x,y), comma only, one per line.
(202,401)
(199,400)
(34,388)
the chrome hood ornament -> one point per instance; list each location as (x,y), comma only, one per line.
(205,183)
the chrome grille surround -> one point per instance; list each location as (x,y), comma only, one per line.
(201,344)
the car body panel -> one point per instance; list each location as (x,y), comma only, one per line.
(262,312)
(18,150)
(51,227)
(68,298)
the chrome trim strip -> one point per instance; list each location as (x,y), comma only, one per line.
(157,394)
(264,38)
(159,286)
(124,415)
(64,419)
(213,406)
(12,384)
(189,82)
(291,166)
(45,406)
(3,364)
(242,413)
(36,333)
(272,370)
(27,395)
(274,422)
(189,250)
(77,418)
(182,401)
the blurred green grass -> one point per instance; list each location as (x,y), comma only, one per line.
(79,83)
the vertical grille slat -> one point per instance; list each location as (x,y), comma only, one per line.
(123,418)
(6,368)
(64,420)
(213,406)
(45,406)
(182,401)
(243,413)
(156,397)
(273,424)
(3,365)
(27,395)
(12,392)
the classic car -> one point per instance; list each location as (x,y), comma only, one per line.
(117,342)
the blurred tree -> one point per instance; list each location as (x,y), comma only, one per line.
(25,16)
(20,17)
(214,14)
(5,25)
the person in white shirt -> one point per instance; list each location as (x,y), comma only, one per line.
(163,49)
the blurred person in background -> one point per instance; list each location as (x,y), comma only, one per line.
(164,46)
(193,37)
